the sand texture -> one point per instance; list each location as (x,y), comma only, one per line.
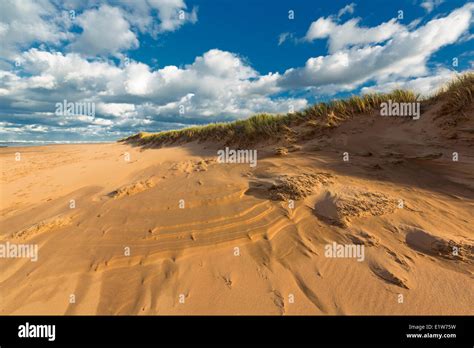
(173,231)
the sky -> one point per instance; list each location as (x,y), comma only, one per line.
(94,70)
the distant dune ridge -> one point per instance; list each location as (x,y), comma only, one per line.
(156,224)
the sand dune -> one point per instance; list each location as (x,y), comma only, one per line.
(172,231)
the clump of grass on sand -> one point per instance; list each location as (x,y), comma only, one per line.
(253,129)
(458,94)
(344,108)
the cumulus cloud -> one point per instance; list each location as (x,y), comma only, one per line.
(106,28)
(404,55)
(104,32)
(350,33)
(218,85)
(170,14)
(28,21)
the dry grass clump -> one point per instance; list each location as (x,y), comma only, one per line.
(344,108)
(457,94)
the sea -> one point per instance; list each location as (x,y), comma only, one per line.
(23,143)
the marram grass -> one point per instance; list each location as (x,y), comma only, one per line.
(457,94)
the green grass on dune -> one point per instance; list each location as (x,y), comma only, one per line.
(457,95)
(255,128)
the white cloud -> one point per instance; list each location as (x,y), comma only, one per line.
(341,36)
(117,109)
(222,64)
(138,79)
(404,55)
(107,27)
(346,9)
(42,81)
(70,69)
(171,15)
(430,5)
(27,21)
(283,37)
(218,85)
(424,85)
(104,32)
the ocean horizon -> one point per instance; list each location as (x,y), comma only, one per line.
(27,143)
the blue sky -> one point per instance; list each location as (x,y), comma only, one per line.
(251,28)
(151,65)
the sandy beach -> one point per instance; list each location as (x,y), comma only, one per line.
(126,229)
